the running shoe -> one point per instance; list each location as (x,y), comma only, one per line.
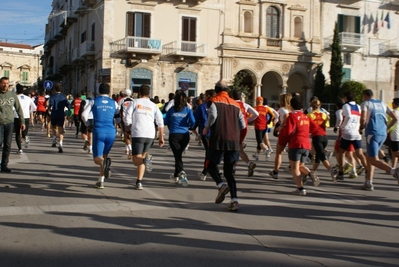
(251,168)
(86,145)
(222,191)
(186,149)
(139,186)
(99,185)
(27,141)
(60,149)
(273,174)
(202,176)
(329,155)
(359,170)
(183,178)
(233,206)
(106,166)
(315,178)
(298,192)
(333,173)
(148,163)
(20,152)
(352,175)
(54,144)
(396,174)
(129,155)
(304,178)
(256,156)
(268,153)
(174,179)
(367,187)
(347,168)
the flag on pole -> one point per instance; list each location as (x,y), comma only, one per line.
(382,19)
(376,24)
(370,22)
(388,21)
(365,22)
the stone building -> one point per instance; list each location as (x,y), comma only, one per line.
(21,63)
(190,44)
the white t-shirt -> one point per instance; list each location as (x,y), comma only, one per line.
(27,105)
(141,114)
(394,130)
(339,118)
(281,113)
(351,123)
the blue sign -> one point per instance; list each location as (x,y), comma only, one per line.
(184,86)
(48,84)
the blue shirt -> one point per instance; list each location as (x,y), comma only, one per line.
(375,117)
(179,122)
(201,116)
(58,102)
(104,110)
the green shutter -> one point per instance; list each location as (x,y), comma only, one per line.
(340,23)
(357,24)
(347,74)
(7,73)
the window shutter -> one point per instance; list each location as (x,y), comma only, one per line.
(357,24)
(147,25)
(130,24)
(185,23)
(193,29)
(340,23)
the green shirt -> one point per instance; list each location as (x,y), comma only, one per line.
(8,100)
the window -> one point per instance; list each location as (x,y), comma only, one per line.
(347,74)
(83,37)
(25,77)
(93,32)
(298,27)
(348,23)
(347,58)
(189,34)
(247,22)
(272,22)
(138,24)
(6,73)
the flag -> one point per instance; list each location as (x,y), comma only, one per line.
(376,24)
(382,19)
(370,22)
(388,21)
(365,22)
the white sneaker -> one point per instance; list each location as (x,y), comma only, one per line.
(202,176)
(27,141)
(20,152)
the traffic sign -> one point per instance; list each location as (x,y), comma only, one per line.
(48,85)
(184,86)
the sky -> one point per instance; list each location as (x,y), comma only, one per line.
(24,21)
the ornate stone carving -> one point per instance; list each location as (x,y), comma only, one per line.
(285,67)
(259,65)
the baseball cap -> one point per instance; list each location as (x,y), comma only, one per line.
(128,92)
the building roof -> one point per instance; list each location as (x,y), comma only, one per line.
(24,46)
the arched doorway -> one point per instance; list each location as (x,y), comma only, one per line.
(272,83)
(246,80)
(138,77)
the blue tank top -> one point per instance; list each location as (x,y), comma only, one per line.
(377,121)
(103,114)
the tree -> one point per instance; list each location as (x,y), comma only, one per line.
(238,85)
(320,85)
(336,72)
(356,87)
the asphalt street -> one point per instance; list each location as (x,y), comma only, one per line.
(52,215)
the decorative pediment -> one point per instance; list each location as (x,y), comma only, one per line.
(24,67)
(297,7)
(6,65)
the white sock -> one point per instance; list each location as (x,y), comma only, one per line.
(60,143)
(101,179)
(129,147)
(392,171)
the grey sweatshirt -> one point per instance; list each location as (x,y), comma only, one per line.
(8,100)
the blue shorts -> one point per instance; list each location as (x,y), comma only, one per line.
(102,143)
(374,144)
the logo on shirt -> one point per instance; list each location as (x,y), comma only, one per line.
(104,101)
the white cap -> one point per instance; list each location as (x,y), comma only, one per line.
(128,92)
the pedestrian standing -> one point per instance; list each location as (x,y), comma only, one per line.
(8,101)
(179,119)
(225,120)
(104,110)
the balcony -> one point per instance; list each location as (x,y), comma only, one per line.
(82,9)
(75,55)
(390,47)
(87,49)
(273,42)
(89,3)
(64,60)
(184,48)
(348,40)
(135,44)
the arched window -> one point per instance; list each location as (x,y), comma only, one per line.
(247,22)
(272,22)
(298,27)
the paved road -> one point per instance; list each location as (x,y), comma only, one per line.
(52,215)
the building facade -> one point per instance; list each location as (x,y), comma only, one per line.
(21,63)
(190,44)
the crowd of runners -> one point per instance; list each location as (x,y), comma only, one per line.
(219,120)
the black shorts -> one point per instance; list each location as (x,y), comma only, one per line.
(298,154)
(394,146)
(84,129)
(141,145)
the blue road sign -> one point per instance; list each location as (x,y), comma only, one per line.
(48,85)
(184,86)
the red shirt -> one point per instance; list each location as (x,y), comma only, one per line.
(260,123)
(41,104)
(76,105)
(297,129)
